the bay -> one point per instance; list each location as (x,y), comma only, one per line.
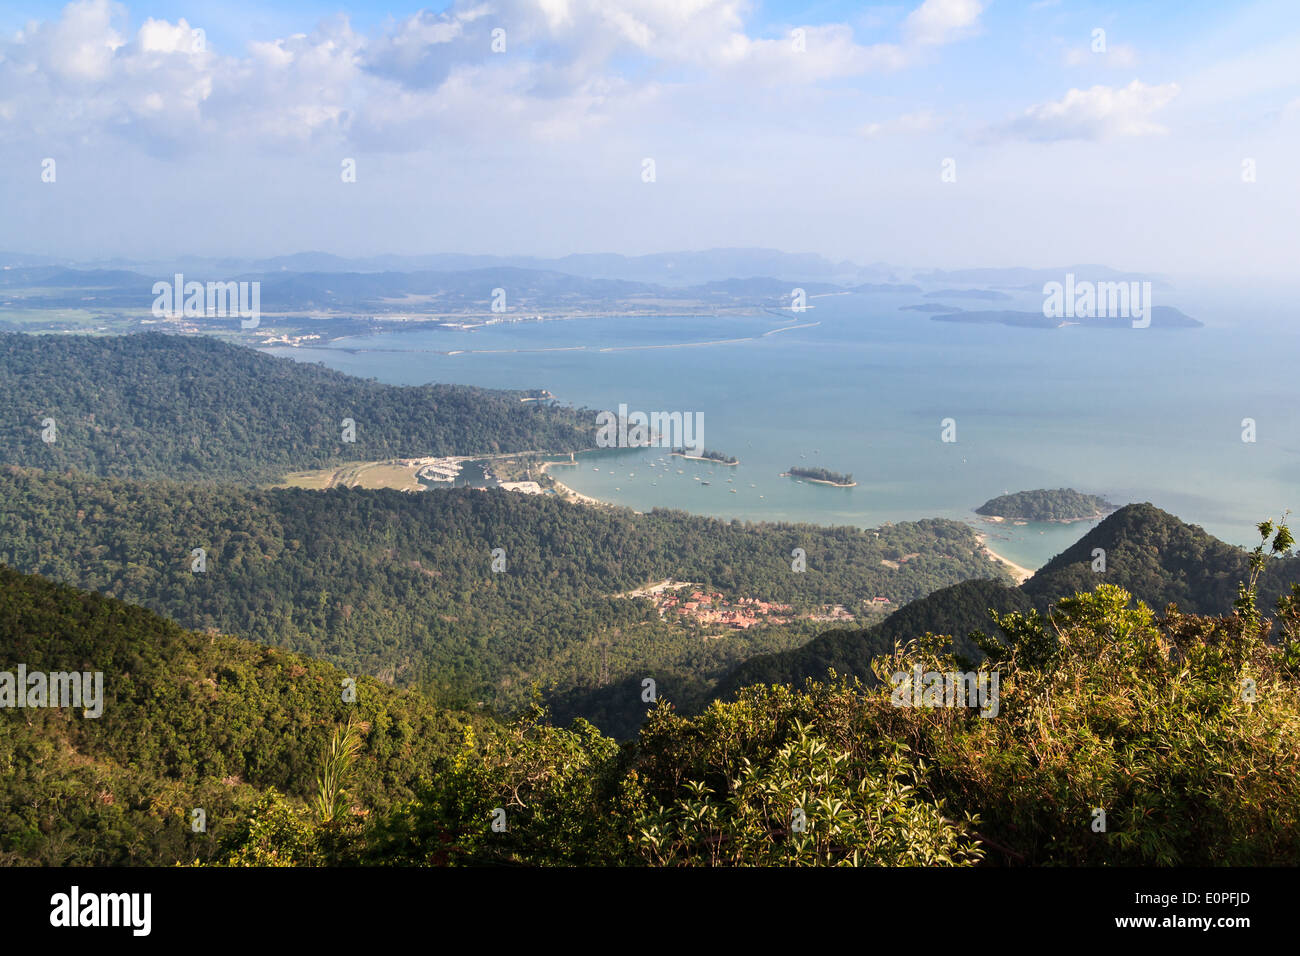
(863,387)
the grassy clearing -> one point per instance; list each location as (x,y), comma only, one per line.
(364,474)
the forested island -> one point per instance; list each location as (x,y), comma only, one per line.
(1046,504)
(708,454)
(821,476)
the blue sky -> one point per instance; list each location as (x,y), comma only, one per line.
(834,141)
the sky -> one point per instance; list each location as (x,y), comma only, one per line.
(946,133)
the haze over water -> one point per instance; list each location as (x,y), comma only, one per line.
(1130,414)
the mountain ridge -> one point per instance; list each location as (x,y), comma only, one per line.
(1156,557)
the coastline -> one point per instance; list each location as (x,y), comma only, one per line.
(1019,572)
(1000,519)
(712,461)
(819,481)
(567,492)
(307,337)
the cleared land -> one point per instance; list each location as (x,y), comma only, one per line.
(364,474)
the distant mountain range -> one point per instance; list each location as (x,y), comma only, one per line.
(671,269)
(468,291)
(666,268)
(318,295)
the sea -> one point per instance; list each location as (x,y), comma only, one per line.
(856,384)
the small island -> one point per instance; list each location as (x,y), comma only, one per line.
(821,476)
(1045,504)
(707,455)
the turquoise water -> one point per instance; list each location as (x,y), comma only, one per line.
(1134,415)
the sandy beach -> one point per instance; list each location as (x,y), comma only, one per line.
(1019,572)
(568,492)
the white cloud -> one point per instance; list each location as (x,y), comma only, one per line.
(80,45)
(569,65)
(1101,112)
(828,52)
(159,36)
(942,21)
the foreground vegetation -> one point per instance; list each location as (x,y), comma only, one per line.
(1122,737)
(190,721)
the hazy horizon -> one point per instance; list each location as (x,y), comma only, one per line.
(1156,139)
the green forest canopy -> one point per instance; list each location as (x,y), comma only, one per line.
(1152,728)
(197,409)
(390,583)
(1044,504)
(189,721)
(1151,554)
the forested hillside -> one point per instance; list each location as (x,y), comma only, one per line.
(402,585)
(196,409)
(956,611)
(1154,724)
(189,721)
(1116,738)
(1159,558)
(1148,552)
